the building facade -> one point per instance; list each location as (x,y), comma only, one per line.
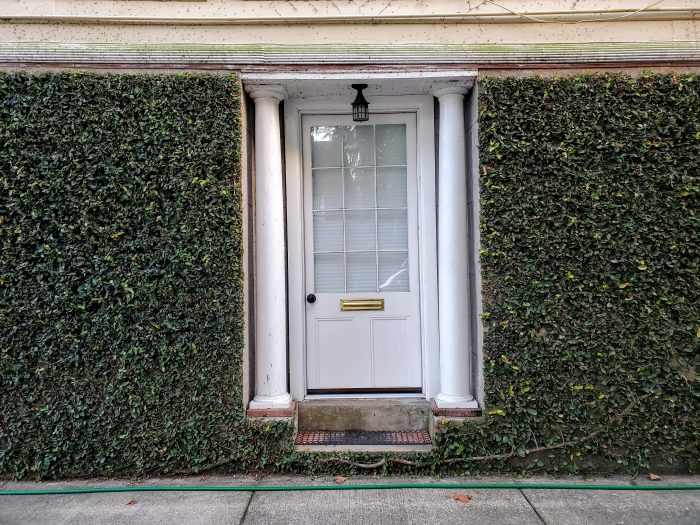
(362,239)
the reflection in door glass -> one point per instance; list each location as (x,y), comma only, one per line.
(391,145)
(327,147)
(358,146)
(393,271)
(360,221)
(359,188)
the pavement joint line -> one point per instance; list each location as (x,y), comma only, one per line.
(533,507)
(245,512)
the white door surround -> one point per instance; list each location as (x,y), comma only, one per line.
(449,374)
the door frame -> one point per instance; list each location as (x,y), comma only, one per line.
(422,107)
(403,307)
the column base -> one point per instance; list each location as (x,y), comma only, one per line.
(277,402)
(272,406)
(450,401)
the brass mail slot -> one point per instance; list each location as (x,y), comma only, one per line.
(349,305)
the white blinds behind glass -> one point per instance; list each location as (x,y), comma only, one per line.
(360,219)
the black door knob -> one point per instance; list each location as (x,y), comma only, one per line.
(311,298)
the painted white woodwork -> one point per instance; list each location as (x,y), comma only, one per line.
(360,207)
(270,258)
(328,100)
(394,363)
(475,302)
(453,255)
(330,93)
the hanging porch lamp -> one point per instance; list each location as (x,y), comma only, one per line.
(360,107)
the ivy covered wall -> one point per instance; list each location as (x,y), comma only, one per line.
(120,274)
(121,283)
(590,234)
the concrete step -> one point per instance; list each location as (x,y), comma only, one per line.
(364,414)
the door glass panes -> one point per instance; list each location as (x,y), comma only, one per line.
(393,271)
(359,188)
(391,187)
(361,271)
(392,230)
(360,218)
(328,189)
(358,145)
(360,230)
(391,145)
(329,272)
(327,147)
(328,231)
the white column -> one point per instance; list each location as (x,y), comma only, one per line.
(453,265)
(270,258)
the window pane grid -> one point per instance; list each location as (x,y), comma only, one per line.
(381,208)
(388,250)
(368,264)
(358,166)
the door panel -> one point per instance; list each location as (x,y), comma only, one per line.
(360,216)
(390,337)
(344,355)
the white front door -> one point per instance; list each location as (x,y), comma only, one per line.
(361,254)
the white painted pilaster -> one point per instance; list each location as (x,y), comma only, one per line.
(270,257)
(453,262)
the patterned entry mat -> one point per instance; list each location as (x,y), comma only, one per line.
(357,437)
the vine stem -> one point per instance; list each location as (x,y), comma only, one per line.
(378,464)
(506,455)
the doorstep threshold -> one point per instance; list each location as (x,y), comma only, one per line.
(363,441)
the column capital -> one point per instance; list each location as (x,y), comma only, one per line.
(273,91)
(440,89)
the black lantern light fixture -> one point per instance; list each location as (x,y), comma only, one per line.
(360,107)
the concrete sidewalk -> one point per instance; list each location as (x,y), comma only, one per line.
(400,506)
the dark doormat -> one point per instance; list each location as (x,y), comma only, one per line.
(359,437)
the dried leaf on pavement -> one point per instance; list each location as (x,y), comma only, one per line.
(463,498)
(654,477)
(340,479)
(132,501)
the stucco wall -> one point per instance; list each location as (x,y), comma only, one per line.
(345,21)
